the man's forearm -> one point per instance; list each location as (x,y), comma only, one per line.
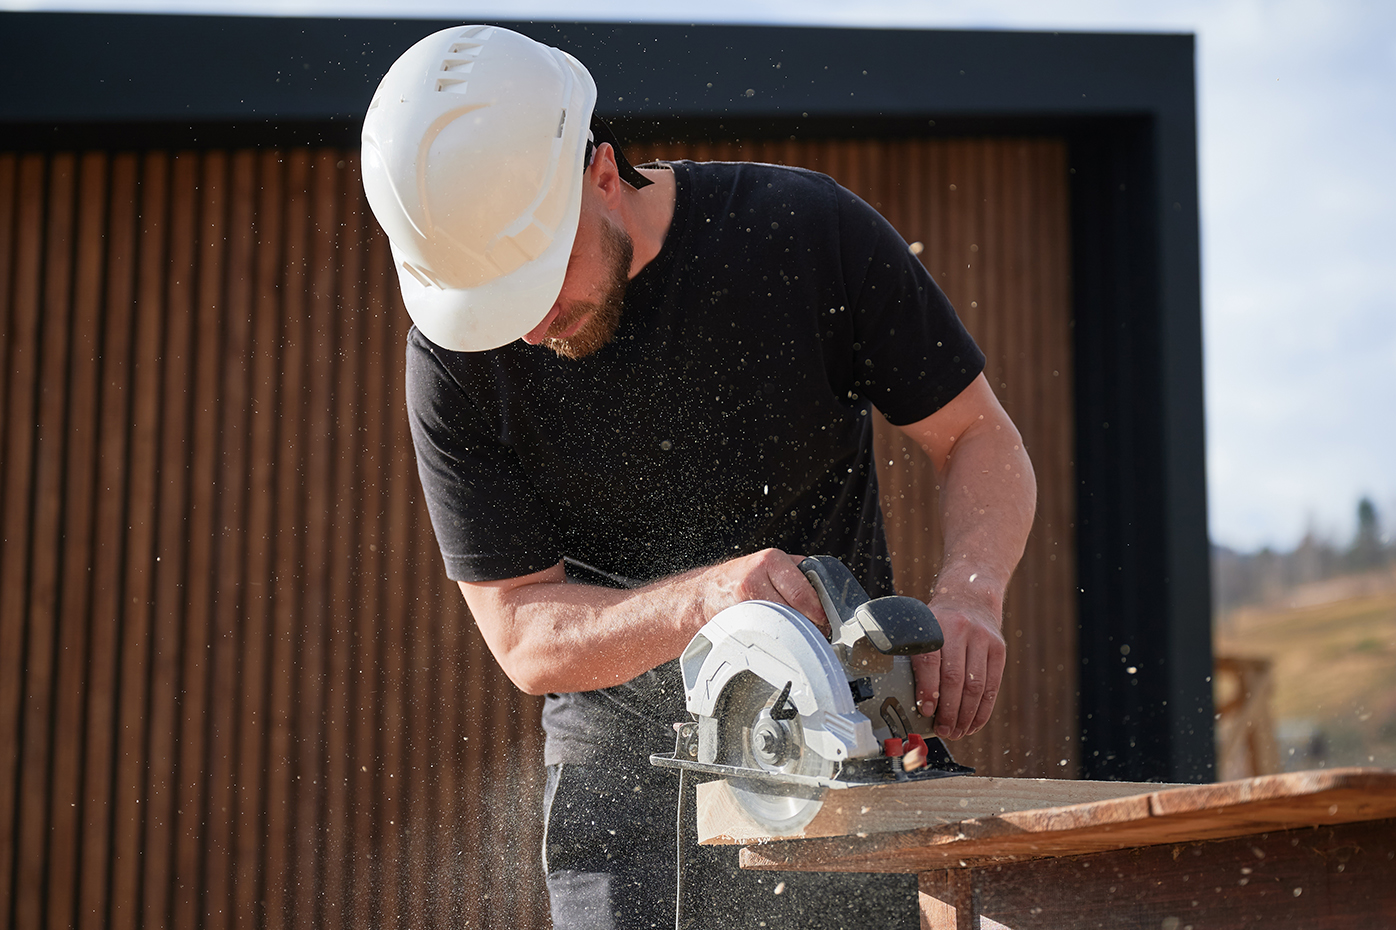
(549,635)
(988,496)
(987,499)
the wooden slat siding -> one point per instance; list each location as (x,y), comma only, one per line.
(236,611)
(321,245)
(290,717)
(424,638)
(200,387)
(392,748)
(291,260)
(74,579)
(166,873)
(114,412)
(475,819)
(35,826)
(20,317)
(251,803)
(447,760)
(9,170)
(138,556)
(377,303)
(274,890)
(368,304)
(334,264)
(1009,200)
(16,330)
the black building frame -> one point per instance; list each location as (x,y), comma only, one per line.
(1125,103)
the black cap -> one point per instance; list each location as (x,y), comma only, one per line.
(600,132)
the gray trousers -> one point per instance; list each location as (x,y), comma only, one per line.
(609,856)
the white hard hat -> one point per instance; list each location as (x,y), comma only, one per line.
(473,152)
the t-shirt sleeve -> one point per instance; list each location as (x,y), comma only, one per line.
(911,353)
(489,523)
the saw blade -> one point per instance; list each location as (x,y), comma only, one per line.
(755,738)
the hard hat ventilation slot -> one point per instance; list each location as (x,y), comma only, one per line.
(451,85)
(455,69)
(421,275)
(473,31)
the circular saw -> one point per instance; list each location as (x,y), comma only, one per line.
(786,715)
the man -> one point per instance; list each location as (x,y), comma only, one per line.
(658,381)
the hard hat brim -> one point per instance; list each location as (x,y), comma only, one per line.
(497,312)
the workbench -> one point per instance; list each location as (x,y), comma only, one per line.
(1310,849)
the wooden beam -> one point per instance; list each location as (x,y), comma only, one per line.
(865,810)
(1173,815)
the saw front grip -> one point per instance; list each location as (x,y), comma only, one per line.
(779,646)
(896,626)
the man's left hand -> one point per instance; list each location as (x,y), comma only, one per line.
(959,684)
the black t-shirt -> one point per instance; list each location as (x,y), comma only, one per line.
(729,414)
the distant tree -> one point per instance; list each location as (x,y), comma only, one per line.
(1366,551)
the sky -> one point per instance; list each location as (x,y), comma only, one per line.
(1297,165)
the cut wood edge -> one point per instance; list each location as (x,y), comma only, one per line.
(871,809)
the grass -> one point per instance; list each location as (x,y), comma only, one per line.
(1334,673)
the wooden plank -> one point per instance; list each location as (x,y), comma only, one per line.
(228,312)
(1173,815)
(394,678)
(40,735)
(366,252)
(249,691)
(75,569)
(317,473)
(164,870)
(16,486)
(332,298)
(201,533)
(128,859)
(278,894)
(1326,877)
(108,606)
(881,809)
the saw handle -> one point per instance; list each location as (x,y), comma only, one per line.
(896,626)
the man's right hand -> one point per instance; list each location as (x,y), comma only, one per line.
(768,575)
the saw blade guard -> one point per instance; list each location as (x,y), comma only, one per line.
(780,646)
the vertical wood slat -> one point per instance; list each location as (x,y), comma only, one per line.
(15,327)
(114,411)
(232,360)
(75,579)
(248,718)
(132,682)
(374,315)
(331,269)
(285,714)
(192,828)
(45,598)
(166,873)
(287,561)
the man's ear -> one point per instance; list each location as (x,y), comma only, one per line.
(604,175)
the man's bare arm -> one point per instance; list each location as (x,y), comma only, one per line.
(549,635)
(988,495)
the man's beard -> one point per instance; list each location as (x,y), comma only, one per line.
(617,251)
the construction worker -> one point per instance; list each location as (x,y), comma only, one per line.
(657,382)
